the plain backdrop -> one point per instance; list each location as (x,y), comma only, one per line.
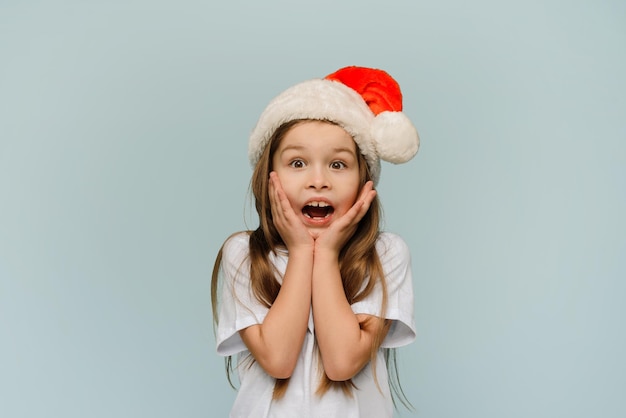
(123,167)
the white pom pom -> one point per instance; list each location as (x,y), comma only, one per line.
(396,139)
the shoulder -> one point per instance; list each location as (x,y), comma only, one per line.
(237,242)
(392,245)
(394,256)
(236,248)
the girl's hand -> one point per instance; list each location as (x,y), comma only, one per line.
(340,231)
(291,228)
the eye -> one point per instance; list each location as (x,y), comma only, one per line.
(297,163)
(338,165)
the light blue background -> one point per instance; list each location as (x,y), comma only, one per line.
(123,136)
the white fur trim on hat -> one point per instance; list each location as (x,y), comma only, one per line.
(317,99)
(389,136)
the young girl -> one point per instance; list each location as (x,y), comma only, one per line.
(314,300)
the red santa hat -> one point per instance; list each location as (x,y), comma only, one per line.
(366,102)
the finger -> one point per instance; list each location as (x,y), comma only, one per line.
(278,193)
(272,195)
(366,190)
(363,202)
(367,202)
(354,215)
(282,204)
(278,212)
(367,196)
(349,219)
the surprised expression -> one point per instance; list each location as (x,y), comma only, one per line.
(318,167)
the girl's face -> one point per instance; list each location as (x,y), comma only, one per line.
(318,166)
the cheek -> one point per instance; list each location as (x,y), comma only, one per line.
(356,189)
(349,200)
(288,187)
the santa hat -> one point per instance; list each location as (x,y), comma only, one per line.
(366,102)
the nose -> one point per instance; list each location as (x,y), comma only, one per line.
(318,179)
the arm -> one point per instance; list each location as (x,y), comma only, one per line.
(345,340)
(277,342)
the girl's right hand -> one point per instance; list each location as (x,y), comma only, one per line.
(290,227)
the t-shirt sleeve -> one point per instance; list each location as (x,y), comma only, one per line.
(238,308)
(396,262)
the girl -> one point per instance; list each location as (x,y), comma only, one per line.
(313,301)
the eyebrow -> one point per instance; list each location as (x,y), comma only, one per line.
(292,147)
(301,147)
(344,149)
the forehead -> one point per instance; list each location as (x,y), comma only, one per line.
(317,136)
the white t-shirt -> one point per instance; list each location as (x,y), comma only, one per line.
(239,309)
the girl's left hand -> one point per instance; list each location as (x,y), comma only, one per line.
(340,231)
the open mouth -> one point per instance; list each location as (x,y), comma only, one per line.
(317,210)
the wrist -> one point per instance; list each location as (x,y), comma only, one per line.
(300,250)
(323,254)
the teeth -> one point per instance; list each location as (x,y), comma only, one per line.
(318,204)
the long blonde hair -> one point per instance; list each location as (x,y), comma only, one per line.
(360,266)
